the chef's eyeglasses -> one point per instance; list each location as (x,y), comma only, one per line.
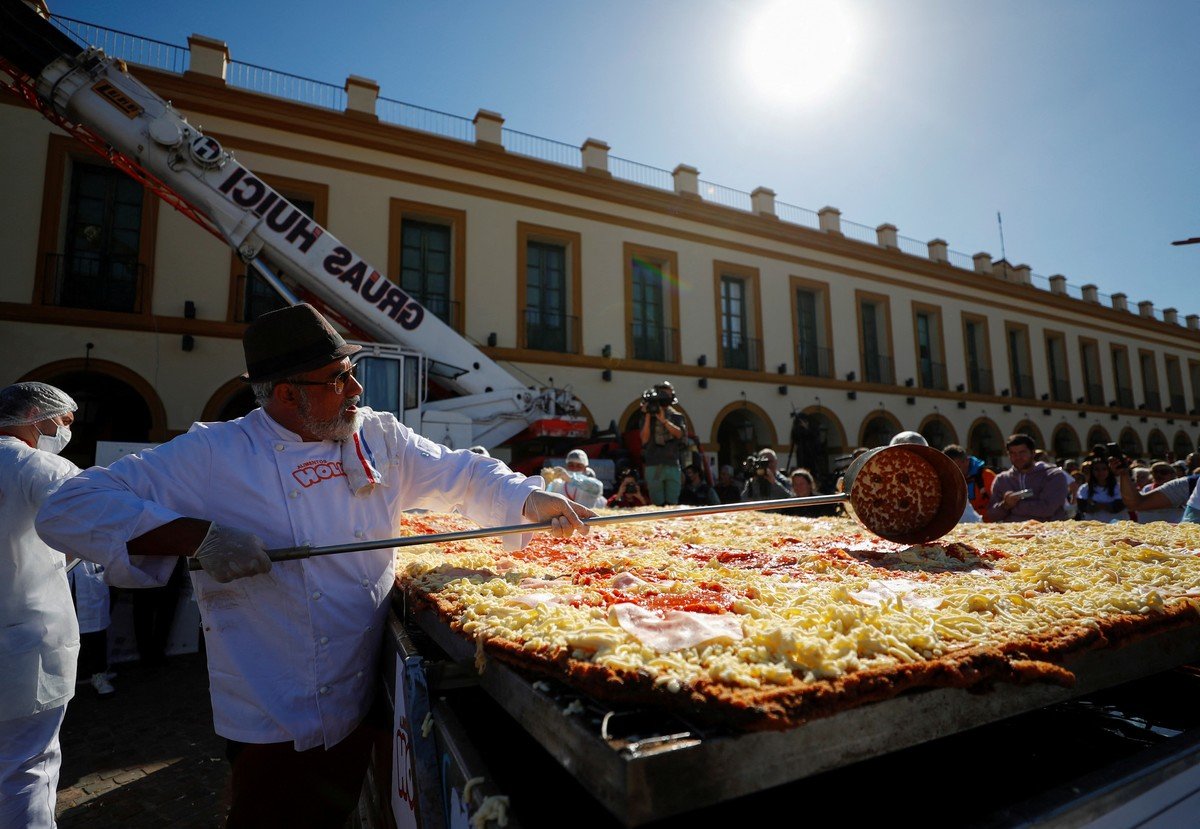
(339,382)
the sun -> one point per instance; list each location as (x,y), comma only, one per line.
(798,51)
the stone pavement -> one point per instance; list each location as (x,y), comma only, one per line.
(146,756)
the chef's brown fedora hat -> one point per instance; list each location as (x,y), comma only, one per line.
(291,341)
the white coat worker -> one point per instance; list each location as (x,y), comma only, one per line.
(39,637)
(292,648)
(969,516)
(577,482)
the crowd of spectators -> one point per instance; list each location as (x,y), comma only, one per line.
(1103,486)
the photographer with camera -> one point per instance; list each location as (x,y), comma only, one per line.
(664,442)
(761,483)
(1028,491)
(629,492)
(1099,499)
(1181,492)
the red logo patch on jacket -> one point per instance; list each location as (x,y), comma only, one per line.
(314,472)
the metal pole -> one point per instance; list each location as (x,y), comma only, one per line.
(292,553)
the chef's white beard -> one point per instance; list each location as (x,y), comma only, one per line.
(335,428)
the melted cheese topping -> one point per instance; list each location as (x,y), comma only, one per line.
(814,599)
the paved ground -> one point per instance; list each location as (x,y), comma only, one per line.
(147,755)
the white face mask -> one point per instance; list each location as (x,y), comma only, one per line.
(56,442)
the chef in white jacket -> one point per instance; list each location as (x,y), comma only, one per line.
(39,638)
(293,647)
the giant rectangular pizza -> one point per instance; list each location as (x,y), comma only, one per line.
(764,621)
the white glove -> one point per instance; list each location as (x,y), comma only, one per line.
(565,516)
(227,554)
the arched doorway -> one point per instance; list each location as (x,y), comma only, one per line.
(1156,445)
(938,431)
(1065,443)
(1097,434)
(1183,445)
(1027,427)
(817,441)
(985,442)
(1130,443)
(115,404)
(878,428)
(741,430)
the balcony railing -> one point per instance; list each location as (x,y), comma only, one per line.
(413,117)
(651,342)
(285,85)
(879,368)
(1153,401)
(551,332)
(1125,398)
(448,311)
(156,54)
(99,282)
(1060,391)
(743,353)
(1094,394)
(933,375)
(1023,386)
(813,361)
(979,380)
(255,298)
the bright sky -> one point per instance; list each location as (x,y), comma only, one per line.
(1076,119)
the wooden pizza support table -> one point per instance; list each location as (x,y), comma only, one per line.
(643,766)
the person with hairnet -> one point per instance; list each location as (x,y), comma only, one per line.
(39,635)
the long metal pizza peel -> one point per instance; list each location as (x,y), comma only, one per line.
(895,462)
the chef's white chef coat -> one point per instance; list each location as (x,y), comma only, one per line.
(39,638)
(292,654)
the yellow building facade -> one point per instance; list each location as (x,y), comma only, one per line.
(572,267)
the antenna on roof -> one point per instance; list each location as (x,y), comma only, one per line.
(1003,255)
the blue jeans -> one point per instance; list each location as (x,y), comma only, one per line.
(1191,515)
(663,481)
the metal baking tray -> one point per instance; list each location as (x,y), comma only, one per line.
(645,765)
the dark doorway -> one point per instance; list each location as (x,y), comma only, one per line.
(109,409)
(240,404)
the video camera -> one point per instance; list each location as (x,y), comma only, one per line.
(755,466)
(1103,451)
(656,398)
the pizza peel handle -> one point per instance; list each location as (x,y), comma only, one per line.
(881,487)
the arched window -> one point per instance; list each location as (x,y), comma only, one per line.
(1027,427)
(1183,445)
(938,431)
(1156,445)
(878,429)
(1131,444)
(1065,443)
(817,440)
(985,442)
(1097,434)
